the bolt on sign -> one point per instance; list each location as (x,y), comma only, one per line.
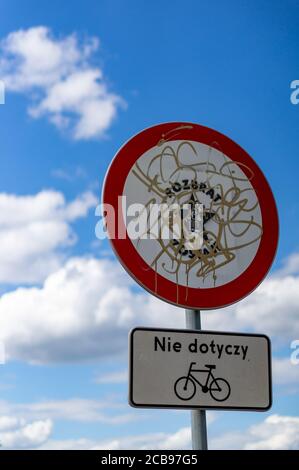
(205,369)
(190,215)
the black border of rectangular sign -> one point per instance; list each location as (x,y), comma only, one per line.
(186,407)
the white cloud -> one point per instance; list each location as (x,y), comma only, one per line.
(8,422)
(33,229)
(16,433)
(26,426)
(30,425)
(272,309)
(87,302)
(274,433)
(181,439)
(63,83)
(68,444)
(289,266)
(91,303)
(113,378)
(73,409)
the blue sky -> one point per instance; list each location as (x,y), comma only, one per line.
(224,65)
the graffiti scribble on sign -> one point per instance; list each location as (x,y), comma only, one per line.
(226,194)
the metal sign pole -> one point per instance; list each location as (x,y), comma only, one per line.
(198,417)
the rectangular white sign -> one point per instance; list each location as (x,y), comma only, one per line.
(199,369)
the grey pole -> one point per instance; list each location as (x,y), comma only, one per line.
(198,417)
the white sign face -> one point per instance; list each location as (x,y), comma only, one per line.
(199,369)
(175,173)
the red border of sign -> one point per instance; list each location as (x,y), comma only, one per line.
(209,298)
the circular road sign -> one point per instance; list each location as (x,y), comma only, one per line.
(179,165)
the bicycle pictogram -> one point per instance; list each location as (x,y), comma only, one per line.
(185,387)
